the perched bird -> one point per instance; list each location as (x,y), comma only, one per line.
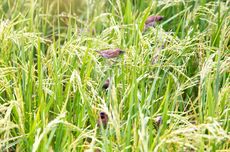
(102,120)
(151,21)
(106,84)
(158,121)
(112,53)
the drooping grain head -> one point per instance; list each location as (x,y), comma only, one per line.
(60,6)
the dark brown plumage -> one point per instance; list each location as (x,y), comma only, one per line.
(102,120)
(151,21)
(112,53)
(106,84)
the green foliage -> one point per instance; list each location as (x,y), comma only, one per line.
(51,77)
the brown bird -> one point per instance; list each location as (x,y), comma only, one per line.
(106,84)
(102,120)
(112,53)
(151,21)
(158,122)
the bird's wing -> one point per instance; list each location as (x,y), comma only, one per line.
(150,19)
(108,52)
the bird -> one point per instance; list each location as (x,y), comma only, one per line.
(102,120)
(111,53)
(106,84)
(151,21)
(158,122)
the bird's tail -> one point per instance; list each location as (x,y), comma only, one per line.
(98,51)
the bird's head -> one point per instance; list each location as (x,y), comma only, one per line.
(151,19)
(159,18)
(103,115)
(120,51)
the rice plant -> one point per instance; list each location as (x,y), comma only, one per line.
(169,91)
